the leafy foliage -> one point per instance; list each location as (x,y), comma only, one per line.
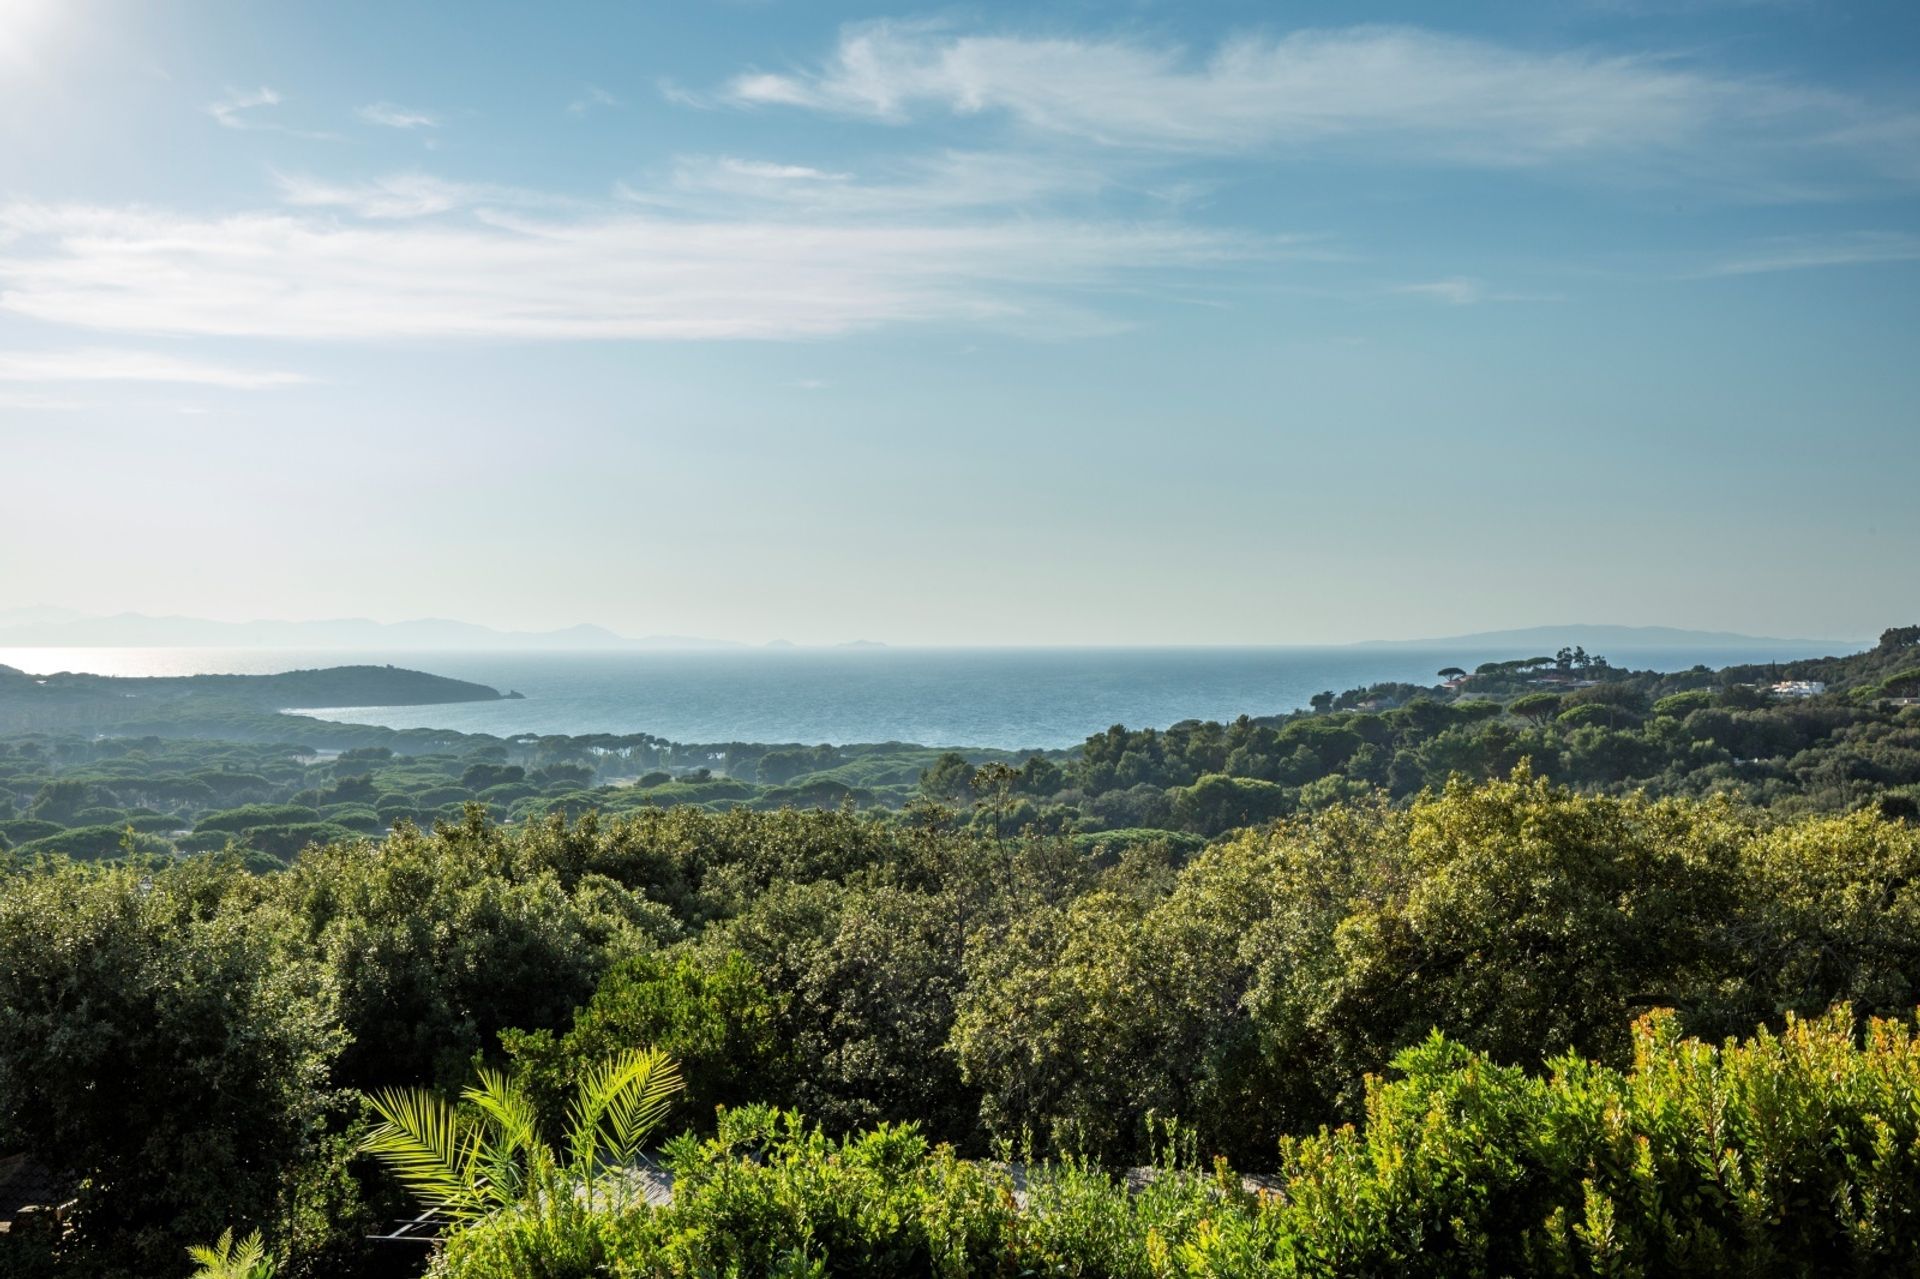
(162,1040)
(1791,1153)
(489,1156)
(230,1259)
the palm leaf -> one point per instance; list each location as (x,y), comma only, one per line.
(212,1260)
(435,1155)
(619,1102)
(468,1163)
(509,1107)
(247,1259)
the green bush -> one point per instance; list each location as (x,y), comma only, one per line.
(1795,1153)
(1284,965)
(715,1018)
(164,1040)
(289,841)
(441,941)
(1114,843)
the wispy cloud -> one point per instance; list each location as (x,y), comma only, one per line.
(945,182)
(233,111)
(105,365)
(240,109)
(590,97)
(39,402)
(390,116)
(1800,253)
(1463,290)
(1404,92)
(404,195)
(606,274)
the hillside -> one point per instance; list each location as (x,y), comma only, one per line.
(177,705)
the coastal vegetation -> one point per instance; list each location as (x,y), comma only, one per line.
(1362,995)
(198,770)
(196,1047)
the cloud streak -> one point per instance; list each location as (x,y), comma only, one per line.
(233,111)
(405,195)
(1464,290)
(1803,253)
(240,110)
(602,275)
(1404,93)
(105,365)
(948,182)
(590,97)
(389,116)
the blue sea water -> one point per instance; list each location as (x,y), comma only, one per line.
(1010,698)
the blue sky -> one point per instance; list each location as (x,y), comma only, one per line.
(1047,323)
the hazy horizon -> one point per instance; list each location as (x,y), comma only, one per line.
(1028,325)
(48,628)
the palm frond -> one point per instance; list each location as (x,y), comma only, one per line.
(619,1102)
(212,1259)
(508,1106)
(473,1160)
(433,1153)
(226,1259)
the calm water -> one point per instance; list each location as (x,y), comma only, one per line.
(1009,698)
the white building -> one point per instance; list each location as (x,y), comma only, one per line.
(1798,688)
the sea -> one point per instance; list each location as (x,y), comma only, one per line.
(1009,698)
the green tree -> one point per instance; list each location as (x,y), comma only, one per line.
(165,1038)
(1218,803)
(949,779)
(1537,707)
(713,1016)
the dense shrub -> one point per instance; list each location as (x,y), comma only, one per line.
(164,1042)
(442,941)
(1796,1153)
(995,987)
(715,1017)
(1526,921)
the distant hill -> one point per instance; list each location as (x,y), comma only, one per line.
(1618,639)
(206,705)
(54,629)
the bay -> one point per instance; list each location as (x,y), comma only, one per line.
(1008,698)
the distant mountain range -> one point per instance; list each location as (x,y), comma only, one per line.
(1604,640)
(136,630)
(41,627)
(63,628)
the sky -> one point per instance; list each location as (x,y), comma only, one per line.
(1002,324)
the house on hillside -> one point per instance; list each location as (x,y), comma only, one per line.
(1798,688)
